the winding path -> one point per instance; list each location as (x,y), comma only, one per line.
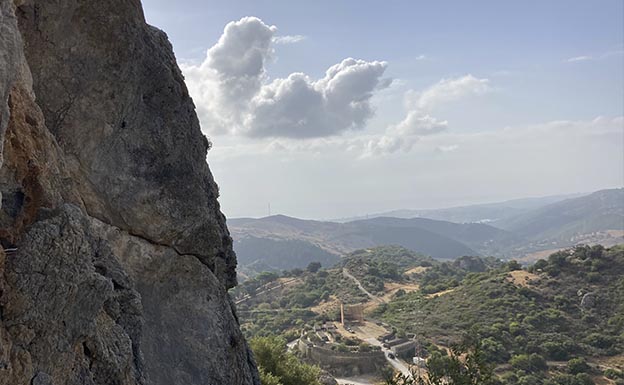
(346,273)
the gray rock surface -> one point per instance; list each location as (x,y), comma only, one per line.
(9,51)
(116,101)
(70,308)
(187,313)
(118,258)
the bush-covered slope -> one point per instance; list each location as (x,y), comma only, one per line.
(570,306)
(281,254)
(600,211)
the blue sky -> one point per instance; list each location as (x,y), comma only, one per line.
(516,88)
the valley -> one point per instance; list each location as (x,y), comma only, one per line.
(563,309)
(525,230)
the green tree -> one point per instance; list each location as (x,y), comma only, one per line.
(529,363)
(513,265)
(268,378)
(313,267)
(577,365)
(466,365)
(278,367)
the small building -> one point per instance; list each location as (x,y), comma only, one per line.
(330,326)
(405,349)
(396,341)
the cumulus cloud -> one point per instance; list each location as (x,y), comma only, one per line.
(231,74)
(299,107)
(234,94)
(387,144)
(418,122)
(288,39)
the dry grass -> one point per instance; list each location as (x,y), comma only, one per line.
(332,303)
(601,380)
(416,270)
(614,362)
(443,292)
(390,289)
(522,278)
(535,256)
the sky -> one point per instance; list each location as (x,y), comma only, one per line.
(331,109)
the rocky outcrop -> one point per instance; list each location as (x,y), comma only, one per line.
(115,258)
(115,100)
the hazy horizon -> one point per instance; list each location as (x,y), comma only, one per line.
(361,215)
(490,102)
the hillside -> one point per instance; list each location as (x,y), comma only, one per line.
(568,307)
(276,303)
(484,239)
(529,229)
(562,318)
(568,221)
(283,242)
(482,213)
(280,254)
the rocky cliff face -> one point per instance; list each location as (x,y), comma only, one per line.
(115,258)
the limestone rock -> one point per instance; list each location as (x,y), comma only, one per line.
(117,259)
(64,286)
(9,56)
(182,301)
(116,101)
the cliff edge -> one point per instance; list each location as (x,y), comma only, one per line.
(115,258)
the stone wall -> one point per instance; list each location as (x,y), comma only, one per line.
(342,363)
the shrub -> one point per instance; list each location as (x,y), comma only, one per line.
(529,363)
(577,365)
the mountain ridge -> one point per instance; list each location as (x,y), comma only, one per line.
(511,238)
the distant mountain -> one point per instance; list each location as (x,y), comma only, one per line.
(484,239)
(524,227)
(415,238)
(284,242)
(483,213)
(266,254)
(570,219)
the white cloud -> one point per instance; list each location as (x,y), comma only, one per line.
(418,122)
(519,160)
(447,148)
(288,39)
(447,90)
(602,56)
(299,107)
(579,58)
(234,95)
(387,144)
